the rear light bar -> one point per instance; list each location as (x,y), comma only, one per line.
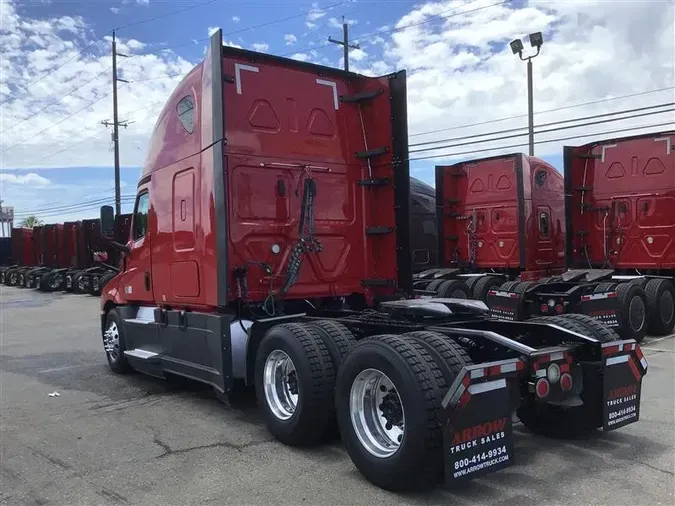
(500,293)
(597,296)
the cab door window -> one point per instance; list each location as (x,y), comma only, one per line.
(141,216)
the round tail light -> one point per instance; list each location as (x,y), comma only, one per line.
(553,373)
(544,308)
(542,388)
(559,308)
(566,382)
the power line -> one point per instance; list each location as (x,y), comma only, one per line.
(165,15)
(242,30)
(435,17)
(11,98)
(548,141)
(610,99)
(500,132)
(71,207)
(539,132)
(56,101)
(57,123)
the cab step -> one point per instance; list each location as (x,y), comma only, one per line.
(142,354)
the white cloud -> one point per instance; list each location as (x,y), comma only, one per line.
(30,179)
(236,19)
(260,47)
(290,39)
(316,13)
(212,29)
(51,116)
(142,2)
(461,70)
(310,25)
(115,10)
(300,56)
(357,55)
(337,23)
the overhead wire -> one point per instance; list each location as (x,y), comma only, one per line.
(56,101)
(50,72)
(547,141)
(553,123)
(556,109)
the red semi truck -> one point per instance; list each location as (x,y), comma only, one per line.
(270,248)
(498,219)
(23,255)
(619,197)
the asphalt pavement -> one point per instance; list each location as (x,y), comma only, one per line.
(118,440)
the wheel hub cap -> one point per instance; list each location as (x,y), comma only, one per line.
(377,413)
(280,383)
(111,341)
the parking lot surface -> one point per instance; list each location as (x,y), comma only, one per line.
(118,440)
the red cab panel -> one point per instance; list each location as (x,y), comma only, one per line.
(621,196)
(504,212)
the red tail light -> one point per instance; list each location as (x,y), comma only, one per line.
(566,382)
(542,388)
(544,308)
(558,308)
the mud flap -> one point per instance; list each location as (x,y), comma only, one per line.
(504,305)
(478,435)
(604,307)
(624,367)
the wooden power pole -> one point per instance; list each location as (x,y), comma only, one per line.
(345,42)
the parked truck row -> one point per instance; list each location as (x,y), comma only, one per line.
(270,248)
(66,256)
(511,231)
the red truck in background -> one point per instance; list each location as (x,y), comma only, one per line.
(270,249)
(499,218)
(23,255)
(619,198)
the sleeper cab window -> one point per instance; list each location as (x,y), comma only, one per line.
(543,224)
(141,215)
(186,113)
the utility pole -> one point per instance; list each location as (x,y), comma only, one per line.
(345,42)
(536,41)
(116,124)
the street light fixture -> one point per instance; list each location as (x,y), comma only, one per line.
(536,41)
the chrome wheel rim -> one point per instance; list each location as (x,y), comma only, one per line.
(377,413)
(280,382)
(111,341)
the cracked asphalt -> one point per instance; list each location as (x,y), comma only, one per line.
(118,440)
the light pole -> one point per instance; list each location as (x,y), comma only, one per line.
(536,41)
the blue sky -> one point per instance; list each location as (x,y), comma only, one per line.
(463,79)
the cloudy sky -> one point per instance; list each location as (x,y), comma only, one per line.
(56,158)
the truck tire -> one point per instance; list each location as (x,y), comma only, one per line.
(506,287)
(106,278)
(337,338)
(450,356)
(557,421)
(470,283)
(597,329)
(116,341)
(632,311)
(21,283)
(605,286)
(294,384)
(339,341)
(483,286)
(453,289)
(641,282)
(521,286)
(660,300)
(433,286)
(405,376)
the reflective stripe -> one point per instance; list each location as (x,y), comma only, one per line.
(618,360)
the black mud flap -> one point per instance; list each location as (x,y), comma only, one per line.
(604,307)
(624,367)
(504,305)
(478,435)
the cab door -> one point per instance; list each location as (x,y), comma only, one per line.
(137,282)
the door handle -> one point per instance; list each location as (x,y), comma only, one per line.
(147,281)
